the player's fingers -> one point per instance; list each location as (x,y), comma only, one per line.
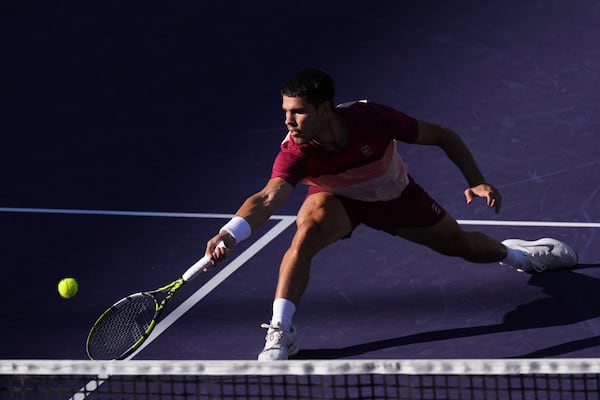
(490,199)
(494,200)
(469,195)
(216,256)
(220,253)
(218,247)
(211,251)
(498,203)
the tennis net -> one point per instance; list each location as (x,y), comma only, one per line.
(559,379)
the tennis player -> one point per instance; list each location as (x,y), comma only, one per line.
(347,156)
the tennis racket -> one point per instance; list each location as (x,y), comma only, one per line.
(125,325)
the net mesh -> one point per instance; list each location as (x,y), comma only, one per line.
(560,379)
(120,327)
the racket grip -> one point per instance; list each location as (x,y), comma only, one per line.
(201,264)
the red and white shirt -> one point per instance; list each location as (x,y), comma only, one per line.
(369,168)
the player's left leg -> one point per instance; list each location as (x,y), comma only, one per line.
(419,218)
(447,237)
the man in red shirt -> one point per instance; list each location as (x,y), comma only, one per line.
(348,157)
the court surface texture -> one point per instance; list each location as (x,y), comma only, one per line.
(130,136)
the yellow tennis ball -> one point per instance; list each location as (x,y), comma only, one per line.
(67,287)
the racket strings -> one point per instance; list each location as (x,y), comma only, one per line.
(121,327)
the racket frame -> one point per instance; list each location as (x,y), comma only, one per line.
(159,305)
(191,272)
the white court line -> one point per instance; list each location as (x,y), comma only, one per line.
(117,213)
(557,224)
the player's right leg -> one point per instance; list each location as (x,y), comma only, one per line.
(321,220)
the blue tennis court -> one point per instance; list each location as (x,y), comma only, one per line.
(132,135)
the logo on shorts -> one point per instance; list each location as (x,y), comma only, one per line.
(366,150)
(436,209)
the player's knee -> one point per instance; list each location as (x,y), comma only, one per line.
(309,237)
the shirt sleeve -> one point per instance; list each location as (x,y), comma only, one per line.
(289,167)
(403,127)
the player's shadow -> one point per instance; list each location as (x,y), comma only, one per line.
(571,298)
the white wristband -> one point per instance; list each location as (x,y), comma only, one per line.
(238,227)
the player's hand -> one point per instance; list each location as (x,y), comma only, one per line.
(490,193)
(219,253)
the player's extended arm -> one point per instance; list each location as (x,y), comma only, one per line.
(256,210)
(259,207)
(458,152)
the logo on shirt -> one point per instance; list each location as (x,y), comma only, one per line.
(366,150)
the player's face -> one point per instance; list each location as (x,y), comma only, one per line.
(302,119)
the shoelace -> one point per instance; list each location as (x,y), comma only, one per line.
(272,335)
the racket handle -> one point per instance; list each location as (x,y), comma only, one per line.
(201,264)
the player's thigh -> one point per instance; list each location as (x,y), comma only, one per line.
(323,219)
(446,236)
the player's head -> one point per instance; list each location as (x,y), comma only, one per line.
(314,85)
(307,100)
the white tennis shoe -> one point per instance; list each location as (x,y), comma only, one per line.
(543,254)
(280,344)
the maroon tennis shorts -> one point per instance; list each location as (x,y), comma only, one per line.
(413,209)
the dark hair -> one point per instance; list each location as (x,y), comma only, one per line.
(314,85)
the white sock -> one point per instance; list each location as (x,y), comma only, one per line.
(283,311)
(515,258)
